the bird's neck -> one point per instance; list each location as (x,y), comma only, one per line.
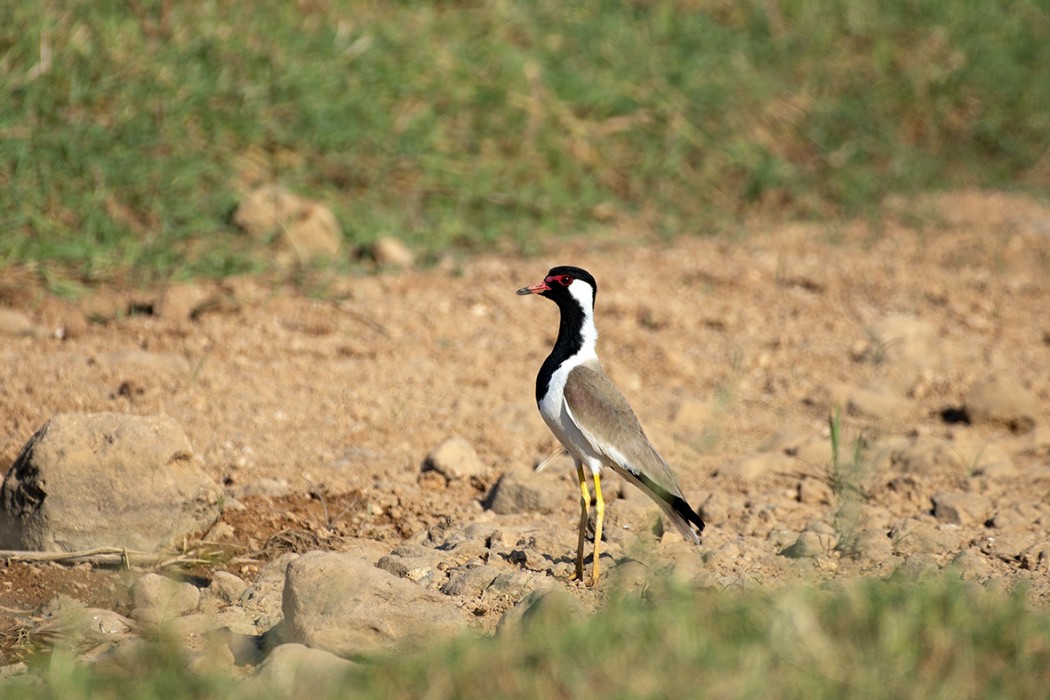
(577,341)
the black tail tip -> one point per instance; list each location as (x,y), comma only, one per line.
(680,506)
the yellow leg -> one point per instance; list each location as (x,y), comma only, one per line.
(585,502)
(599,513)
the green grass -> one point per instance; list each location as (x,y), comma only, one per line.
(873,639)
(124,126)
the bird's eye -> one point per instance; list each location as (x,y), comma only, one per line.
(565,280)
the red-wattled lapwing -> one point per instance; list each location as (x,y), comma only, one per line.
(592,419)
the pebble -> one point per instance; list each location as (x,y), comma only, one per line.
(389,251)
(454,458)
(961,508)
(158,599)
(526,491)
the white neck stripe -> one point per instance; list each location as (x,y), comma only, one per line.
(583,293)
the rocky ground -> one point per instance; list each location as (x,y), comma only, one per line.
(389,421)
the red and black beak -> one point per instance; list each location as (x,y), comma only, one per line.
(534,289)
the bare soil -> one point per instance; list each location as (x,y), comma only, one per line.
(315,405)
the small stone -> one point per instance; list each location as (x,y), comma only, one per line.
(315,233)
(548,606)
(912,536)
(72,622)
(1007,545)
(961,508)
(297,671)
(454,458)
(195,624)
(263,598)
(340,602)
(515,584)
(971,566)
(778,538)
(266,209)
(918,567)
(1017,515)
(525,491)
(811,543)
(471,581)
(227,587)
(158,599)
(390,251)
(414,562)
(15,323)
(1002,400)
(872,544)
(302,229)
(529,558)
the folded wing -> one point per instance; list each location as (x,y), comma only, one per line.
(606,420)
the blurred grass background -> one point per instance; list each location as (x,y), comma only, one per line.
(128,129)
(938,638)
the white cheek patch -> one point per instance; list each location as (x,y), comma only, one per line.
(583,293)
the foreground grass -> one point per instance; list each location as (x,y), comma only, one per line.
(874,639)
(126,128)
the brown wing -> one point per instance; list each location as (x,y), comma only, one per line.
(607,421)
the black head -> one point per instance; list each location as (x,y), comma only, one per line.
(556,285)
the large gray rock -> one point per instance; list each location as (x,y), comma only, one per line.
(340,602)
(105,480)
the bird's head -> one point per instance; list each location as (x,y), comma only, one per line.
(565,284)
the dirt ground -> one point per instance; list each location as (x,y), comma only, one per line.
(317,410)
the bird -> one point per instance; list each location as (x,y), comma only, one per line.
(592,419)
